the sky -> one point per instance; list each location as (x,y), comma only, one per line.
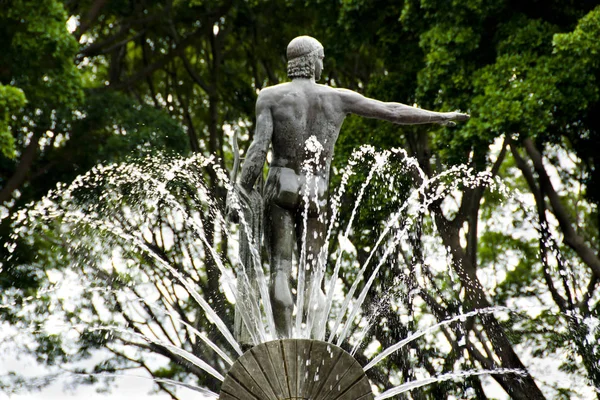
(134,385)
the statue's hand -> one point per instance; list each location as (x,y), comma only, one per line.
(231,214)
(237,200)
(234,203)
(450,117)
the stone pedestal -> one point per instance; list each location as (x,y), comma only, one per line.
(296,369)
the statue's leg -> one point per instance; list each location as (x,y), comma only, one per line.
(314,296)
(280,228)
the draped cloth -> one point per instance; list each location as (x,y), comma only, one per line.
(250,234)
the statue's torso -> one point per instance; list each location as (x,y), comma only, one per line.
(301,109)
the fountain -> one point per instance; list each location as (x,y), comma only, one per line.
(272,367)
(287,343)
(300,121)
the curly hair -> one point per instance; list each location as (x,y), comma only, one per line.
(301,54)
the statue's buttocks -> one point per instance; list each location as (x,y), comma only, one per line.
(292,191)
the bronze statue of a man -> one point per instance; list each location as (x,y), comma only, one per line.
(287,116)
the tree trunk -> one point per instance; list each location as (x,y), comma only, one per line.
(23,167)
(521,388)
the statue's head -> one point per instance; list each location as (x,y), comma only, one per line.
(305,58)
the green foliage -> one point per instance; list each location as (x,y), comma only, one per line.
(583,41)
(115,126)
(38,54)
(50,350)
(11,100)
(40,83)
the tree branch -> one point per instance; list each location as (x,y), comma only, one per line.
(583,304)
(524,388)
(191,131)
(90,18)
(543,229)
(20,175)
(179,49)
(186,62)
(469,210)
(571,237)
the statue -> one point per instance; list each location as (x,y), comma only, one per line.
(290,116)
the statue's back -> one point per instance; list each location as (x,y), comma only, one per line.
(301,109)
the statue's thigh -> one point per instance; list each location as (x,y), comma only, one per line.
(280,231)
(314,239)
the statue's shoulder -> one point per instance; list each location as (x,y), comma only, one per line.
(272,93)
(326,88)
(332,95)
(275,89)
(344,92)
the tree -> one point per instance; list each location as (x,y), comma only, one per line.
(64,127)
(510,67)
(180,75)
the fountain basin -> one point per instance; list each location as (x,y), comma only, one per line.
(296,369)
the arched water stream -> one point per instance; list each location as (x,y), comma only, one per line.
(153,268)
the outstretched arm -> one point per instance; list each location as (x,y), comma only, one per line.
(355,103)
(257,153)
